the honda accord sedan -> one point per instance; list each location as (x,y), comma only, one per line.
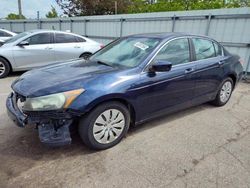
(128,82)
(38,48)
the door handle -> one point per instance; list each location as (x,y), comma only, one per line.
(189,70)
(77,47)
(221,62)
(48,48)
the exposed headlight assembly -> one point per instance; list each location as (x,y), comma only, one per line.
(52,102)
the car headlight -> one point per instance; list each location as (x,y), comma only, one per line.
(52,102)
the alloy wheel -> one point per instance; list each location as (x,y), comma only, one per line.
(225,92)
(2,68)
(108,126)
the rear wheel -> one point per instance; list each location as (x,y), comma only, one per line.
(224,92)
(105,126)
(85,56)
(4,68)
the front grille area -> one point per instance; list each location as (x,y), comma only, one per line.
(49,115)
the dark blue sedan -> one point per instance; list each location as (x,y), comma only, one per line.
(128,82)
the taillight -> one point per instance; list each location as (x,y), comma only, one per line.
(241,61)
(102,46)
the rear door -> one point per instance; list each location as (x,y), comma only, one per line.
(38,52)
(209,68)
(68,46)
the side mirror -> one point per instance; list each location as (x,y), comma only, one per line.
(161,66)
(23,43)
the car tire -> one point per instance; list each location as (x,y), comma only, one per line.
(85,56)
(105,125)
(4,68)
(224,93)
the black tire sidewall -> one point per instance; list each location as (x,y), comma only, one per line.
(87,123)
(7,68)
(85,56)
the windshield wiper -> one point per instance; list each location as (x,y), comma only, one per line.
(103,63)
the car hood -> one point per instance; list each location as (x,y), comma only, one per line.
(59,78)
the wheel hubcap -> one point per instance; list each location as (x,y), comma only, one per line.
(108,126)
(225,91)
(2,68)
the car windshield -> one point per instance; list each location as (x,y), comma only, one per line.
(126,52)
(16,37)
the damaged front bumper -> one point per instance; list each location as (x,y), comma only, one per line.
(53,126)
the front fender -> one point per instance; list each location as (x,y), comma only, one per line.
(84,104)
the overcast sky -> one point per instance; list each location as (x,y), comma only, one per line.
(29,7)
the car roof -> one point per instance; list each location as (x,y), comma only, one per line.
(49,30)
(167,35)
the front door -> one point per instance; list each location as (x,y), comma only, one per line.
(38,52)
(164,92)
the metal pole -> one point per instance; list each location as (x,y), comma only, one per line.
(38,20)
(85,27)
(11,26)
(208,24)
(121,26)
(71,25)
(115,7)
(60,24)
(20,9)
(173,24)
(24,26)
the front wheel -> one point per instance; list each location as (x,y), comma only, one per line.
(85,56)
(4,68)
(224,92)
(105,126)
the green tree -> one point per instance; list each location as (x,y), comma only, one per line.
(13,16)
(92,7)
(52,13)
(174,5)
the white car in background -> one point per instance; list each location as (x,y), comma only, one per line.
(36,48)
(5,34)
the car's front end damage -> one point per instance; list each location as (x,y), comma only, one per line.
(52,122)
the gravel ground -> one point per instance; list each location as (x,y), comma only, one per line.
(202,146)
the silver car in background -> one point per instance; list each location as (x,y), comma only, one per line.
(32,49)
(5,35)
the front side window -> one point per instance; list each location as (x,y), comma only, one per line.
(204,49)
(42,38)
(126,52)
(175,52)
(65,38)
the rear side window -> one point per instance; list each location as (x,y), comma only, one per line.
(218,50)
(204,49)
(80,39)
(176,52)
(42,38)
(65,38)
